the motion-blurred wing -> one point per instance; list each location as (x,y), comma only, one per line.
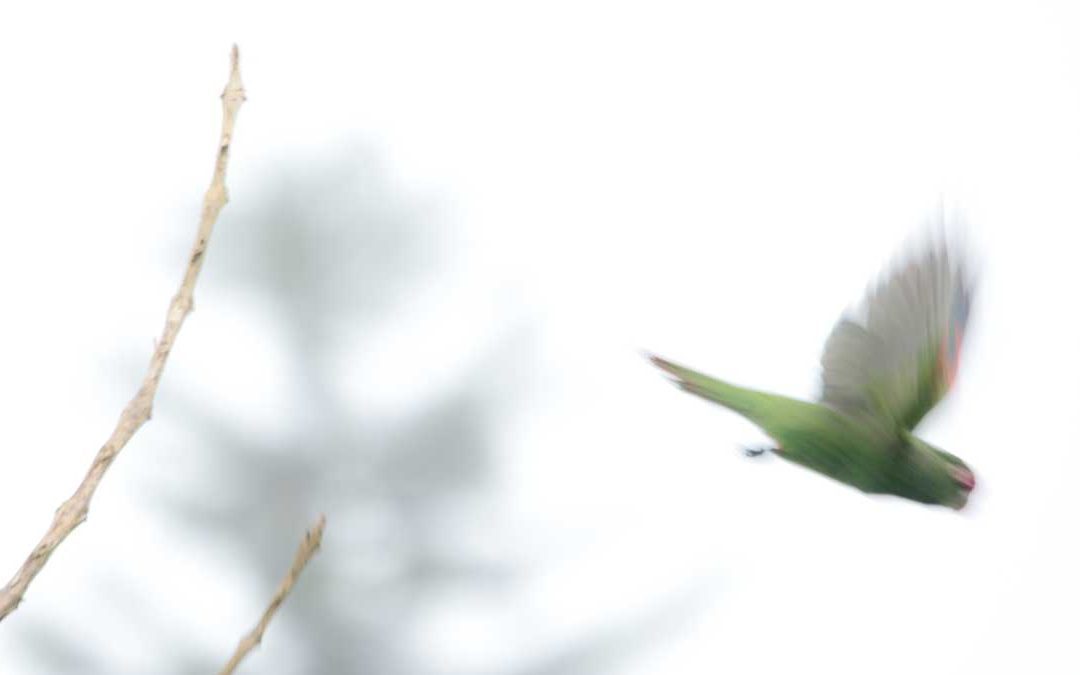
(900,359)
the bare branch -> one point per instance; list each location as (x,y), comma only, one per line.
(308,547)
(73,511)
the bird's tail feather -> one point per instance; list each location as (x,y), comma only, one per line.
(743,401)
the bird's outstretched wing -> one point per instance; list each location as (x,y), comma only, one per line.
(899,358)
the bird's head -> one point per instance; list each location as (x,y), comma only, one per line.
(962,479)
(965,483)
(934,476)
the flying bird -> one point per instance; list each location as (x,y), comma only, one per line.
(883,369)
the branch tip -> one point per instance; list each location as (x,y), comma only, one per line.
(75,509)
(308,547)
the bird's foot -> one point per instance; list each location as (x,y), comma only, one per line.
(756,451)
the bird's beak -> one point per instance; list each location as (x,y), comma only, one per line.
(964,477)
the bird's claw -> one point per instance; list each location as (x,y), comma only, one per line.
(756,451)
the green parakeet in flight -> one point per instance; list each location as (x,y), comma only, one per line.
(883,369)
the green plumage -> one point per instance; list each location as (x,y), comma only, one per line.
(881,375)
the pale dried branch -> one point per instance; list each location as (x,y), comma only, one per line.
(73,511)
(308,547)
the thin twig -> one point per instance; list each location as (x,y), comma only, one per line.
(73,512)
(308,547)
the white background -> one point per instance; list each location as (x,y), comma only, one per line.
(715,182)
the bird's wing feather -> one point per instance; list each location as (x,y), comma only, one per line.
(900,358)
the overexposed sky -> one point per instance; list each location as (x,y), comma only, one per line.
(714,182)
